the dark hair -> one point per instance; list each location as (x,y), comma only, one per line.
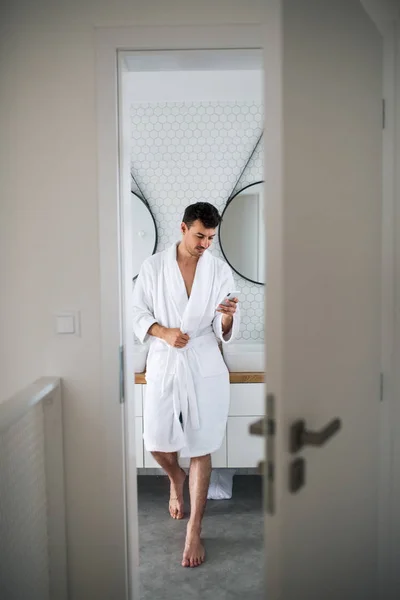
(205,212)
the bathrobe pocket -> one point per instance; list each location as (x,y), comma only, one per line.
(210,361)
(157,364)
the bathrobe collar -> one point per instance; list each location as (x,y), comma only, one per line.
(191,310)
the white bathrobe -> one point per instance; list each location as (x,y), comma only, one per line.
(193,381)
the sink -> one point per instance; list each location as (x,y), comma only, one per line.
(140,352)
(244,355)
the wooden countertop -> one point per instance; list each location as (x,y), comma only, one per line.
(236,377)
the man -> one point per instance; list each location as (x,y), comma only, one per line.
(177,303)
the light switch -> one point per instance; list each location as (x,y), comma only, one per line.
(67,323)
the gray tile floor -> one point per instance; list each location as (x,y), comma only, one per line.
(233,537)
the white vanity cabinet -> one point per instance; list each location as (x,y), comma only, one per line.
(138,399)
(238,450)
(246,407)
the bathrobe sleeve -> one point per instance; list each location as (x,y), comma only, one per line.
(143,306)
(226,284)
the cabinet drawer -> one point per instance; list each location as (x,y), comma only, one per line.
(139,441)
(247,399)
(138,398)
(244,450)
(218,458)
(183,462)
(149,462)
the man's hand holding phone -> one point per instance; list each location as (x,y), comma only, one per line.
(228,306)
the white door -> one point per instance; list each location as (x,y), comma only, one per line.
(323,201)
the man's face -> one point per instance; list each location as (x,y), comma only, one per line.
(197,238)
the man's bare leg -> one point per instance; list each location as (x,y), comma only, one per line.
(169,462)
(199,480)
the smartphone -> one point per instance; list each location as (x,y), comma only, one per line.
(234,294)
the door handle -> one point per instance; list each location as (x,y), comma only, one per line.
(264,426)
(300,436)
(258,428)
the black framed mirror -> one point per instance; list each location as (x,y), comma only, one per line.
(144,233)
(242,233)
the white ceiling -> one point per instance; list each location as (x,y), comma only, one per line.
(382,12)
(194,60)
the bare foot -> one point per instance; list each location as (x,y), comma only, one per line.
(176,507)
(194,554)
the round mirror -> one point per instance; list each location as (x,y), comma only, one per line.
(242,233)
(144,233)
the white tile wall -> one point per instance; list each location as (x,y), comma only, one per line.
(186,152)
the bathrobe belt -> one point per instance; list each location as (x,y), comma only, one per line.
(183,389)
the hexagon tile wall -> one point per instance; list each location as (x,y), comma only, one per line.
(189,152)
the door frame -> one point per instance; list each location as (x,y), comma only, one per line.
(121,482)
(121,478)
(389,491)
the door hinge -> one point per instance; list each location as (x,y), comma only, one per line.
(383,113)
(381,388)
(121,375)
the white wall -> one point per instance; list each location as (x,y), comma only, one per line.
(48,227)
(194,86)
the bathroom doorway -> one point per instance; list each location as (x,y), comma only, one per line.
(191,122)
(317,401)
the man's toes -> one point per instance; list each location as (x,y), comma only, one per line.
(185,563)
